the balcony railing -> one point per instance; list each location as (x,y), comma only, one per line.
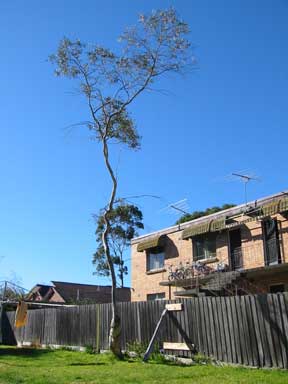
(254,256)
(244,258)
(207,256)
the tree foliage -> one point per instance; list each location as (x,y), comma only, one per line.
(125,220)
(196,214)
(111,81)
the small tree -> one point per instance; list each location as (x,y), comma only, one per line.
(208,211)
(111,82)
(124,219)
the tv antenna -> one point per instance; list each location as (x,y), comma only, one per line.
(245,178)
(180,206)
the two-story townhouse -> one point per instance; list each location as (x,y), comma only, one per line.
(240,250)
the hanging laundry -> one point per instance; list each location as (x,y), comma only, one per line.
(21,314)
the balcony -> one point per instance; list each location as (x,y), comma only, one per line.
(255,256)
(221,270)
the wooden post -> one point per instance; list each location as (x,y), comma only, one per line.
(98,328)
(4,290)
(187,346)
(174,307)
(182,332)
(1,313)
(168,308)
(150,346)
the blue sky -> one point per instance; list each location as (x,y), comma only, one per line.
(229,115)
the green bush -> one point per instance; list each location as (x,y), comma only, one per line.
(90,349)
(140,349)
(137,347)
(201,359)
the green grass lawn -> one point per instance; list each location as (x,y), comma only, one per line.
(47,366)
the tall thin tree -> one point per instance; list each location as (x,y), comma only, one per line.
(111,82)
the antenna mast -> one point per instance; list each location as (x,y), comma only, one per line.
(178,206)
(245,179)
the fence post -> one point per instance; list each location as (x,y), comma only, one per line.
(1,313)
(97,327)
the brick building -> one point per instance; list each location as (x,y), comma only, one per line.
(240,250)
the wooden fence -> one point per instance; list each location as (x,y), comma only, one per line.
(249,330)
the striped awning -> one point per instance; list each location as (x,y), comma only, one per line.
(208,226)
(280,205)
(270,208)
(283,205)
(195,230)
(156,241)
(218,224)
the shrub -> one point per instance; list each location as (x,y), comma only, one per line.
(90,349)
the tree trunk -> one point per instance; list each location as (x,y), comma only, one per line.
(115,325)
(121,271)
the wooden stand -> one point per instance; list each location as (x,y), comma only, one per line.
(187,346)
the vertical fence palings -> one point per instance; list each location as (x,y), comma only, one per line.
(249,330)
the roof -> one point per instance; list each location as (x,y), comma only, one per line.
(214,216)
(45,291)
(72,292)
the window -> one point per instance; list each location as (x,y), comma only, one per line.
(271,242)
(236,254)
(204,246)
(156,296)
(277,288)
(155,259)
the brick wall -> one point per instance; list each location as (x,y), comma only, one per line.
(178,250)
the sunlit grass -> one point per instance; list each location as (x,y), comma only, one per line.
(60,366)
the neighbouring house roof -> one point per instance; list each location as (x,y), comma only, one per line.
(72,292)
(41,292)
(217,221)
(67,292)
(43,289)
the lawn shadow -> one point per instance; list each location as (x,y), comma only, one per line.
(25,352)
(157,359)
(85,364)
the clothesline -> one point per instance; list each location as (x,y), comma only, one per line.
(37,303)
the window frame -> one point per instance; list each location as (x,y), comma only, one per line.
(156,296)
(274,257)
(156,252)
(207,239)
